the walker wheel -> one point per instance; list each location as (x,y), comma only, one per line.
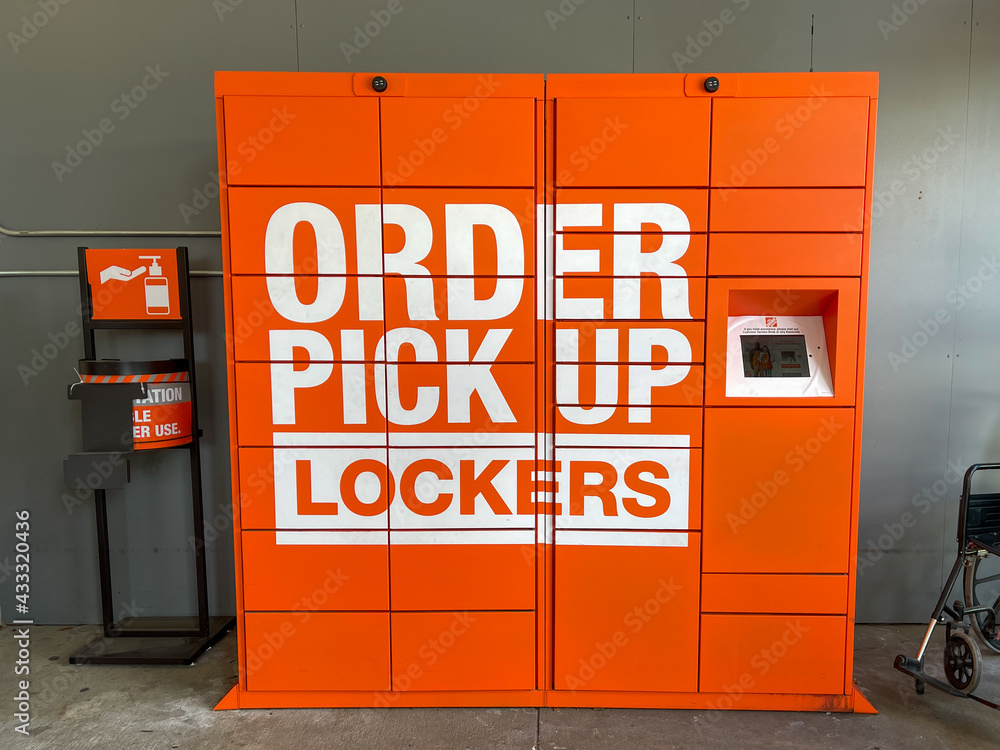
(963,662)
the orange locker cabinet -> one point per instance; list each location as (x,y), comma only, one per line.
(449,404)
(637,488)
(660,426)
(495,437)
(447,314)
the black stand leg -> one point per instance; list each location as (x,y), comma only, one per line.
(104,556)
(201,568)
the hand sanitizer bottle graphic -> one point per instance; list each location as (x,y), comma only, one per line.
(157,289)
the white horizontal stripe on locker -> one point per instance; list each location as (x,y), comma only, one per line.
(642,440)
(332,537)
(621,538)
(470,439)
(465,536)
(329,439)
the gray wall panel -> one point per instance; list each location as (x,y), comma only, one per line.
(40,429)
(467,36)
(731,35)
(923,64)
(931,229)
(923,68)
(975,415)
(72,75)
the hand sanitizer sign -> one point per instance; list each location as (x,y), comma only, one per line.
(157,288)
(134,284)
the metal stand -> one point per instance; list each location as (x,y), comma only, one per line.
(107,420)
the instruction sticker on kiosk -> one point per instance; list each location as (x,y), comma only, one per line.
(777,356)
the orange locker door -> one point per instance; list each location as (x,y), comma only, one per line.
(308,570)
(804,254)
(817,141)
(308,231)
(311,404)
(632,298)
(425,315)
(642,142)
(261,330)
(314,488)
(301,140)
(653,253)
(631,210)
(611,341)
(773,654)
(481,140)
(777,494)
(746,593)
(451,232)
(317,650)
(463,569)
(626,610)
(787,210)
(613,488)
(463,651)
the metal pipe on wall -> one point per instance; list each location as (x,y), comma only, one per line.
(77,273)
(106,233)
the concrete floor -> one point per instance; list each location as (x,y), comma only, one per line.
(79,707)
